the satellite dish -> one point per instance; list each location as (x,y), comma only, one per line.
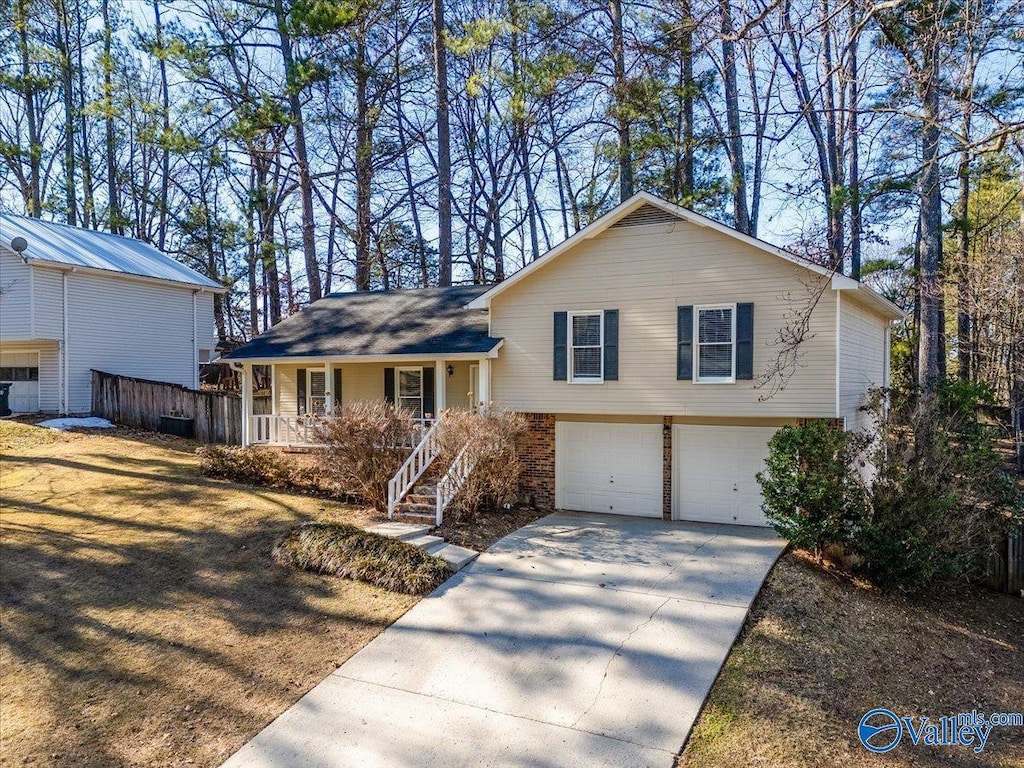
(19,244)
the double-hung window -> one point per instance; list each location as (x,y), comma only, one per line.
(586,347)
(715,350)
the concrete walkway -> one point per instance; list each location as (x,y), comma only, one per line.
(586,640)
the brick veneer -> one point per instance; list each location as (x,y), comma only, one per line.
(537,452)
(666,467)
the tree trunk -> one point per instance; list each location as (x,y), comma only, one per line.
(620,89)
(115,219)
(33,193)
(165,109)
(734,141)
(444,161)
(301,156)
(930,334)
(856,221)
(63,30)
(364,168)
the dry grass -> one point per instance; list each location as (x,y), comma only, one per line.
(819,651)
(352,553)
(143,620)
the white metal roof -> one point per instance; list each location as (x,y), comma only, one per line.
(62,244)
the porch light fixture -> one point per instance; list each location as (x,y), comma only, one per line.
(450,369)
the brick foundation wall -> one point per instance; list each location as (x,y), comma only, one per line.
(666,467)
(537,452)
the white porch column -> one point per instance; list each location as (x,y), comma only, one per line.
(329,387)
(246,403)
(273,403)
(484,396)
(440,387)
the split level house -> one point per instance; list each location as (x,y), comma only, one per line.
(73,300)
(639,350)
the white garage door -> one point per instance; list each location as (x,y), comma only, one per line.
(22,370)
(613,468)
(713,473)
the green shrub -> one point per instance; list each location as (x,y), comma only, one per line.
(352,553)
(811,496)
(941,499)
(921,502)
(252,465)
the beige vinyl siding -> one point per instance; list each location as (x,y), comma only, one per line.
(362,382)
(646,272)
(15,297)
(862,359)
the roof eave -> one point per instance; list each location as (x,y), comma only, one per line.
(63,266)
(382,358)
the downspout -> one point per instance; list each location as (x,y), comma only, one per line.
(195,344)
(64,340)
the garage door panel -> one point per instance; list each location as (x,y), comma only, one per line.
(714,471)
(613,468)
(23,368)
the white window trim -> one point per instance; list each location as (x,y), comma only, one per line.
(398,385)
(309,388)
(569,345)
(697,379)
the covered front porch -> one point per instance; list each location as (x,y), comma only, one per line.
(285,400)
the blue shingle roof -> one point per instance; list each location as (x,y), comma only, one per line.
(63,244)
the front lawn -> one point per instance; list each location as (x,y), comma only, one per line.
(143,620)
(818,651)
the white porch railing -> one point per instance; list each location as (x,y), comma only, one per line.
(421,457)
(267,429)
(453,480)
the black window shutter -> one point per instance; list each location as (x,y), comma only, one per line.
(684,355)
(745,341)
(336,394)
(428,392)
(389,385)
(300,390)
(561,346)
(611,345)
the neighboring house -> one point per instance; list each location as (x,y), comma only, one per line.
(638,350)
(76,300)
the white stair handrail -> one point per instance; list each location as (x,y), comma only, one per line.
(421,457)
(453,480)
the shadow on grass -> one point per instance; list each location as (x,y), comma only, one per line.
(128,580)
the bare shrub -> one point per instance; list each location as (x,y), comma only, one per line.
(252,465)
(490,440)
(364,446)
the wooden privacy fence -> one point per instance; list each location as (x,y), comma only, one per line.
(140,403)
(1006,567)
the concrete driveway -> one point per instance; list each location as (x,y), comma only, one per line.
(587,640)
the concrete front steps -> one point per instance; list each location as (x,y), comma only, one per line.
(420,536)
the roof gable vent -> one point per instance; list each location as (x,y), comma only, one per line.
(646,214)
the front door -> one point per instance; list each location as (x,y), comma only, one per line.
(317,395)
(409,389)
(474,386)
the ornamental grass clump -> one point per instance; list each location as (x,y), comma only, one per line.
(344,550)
